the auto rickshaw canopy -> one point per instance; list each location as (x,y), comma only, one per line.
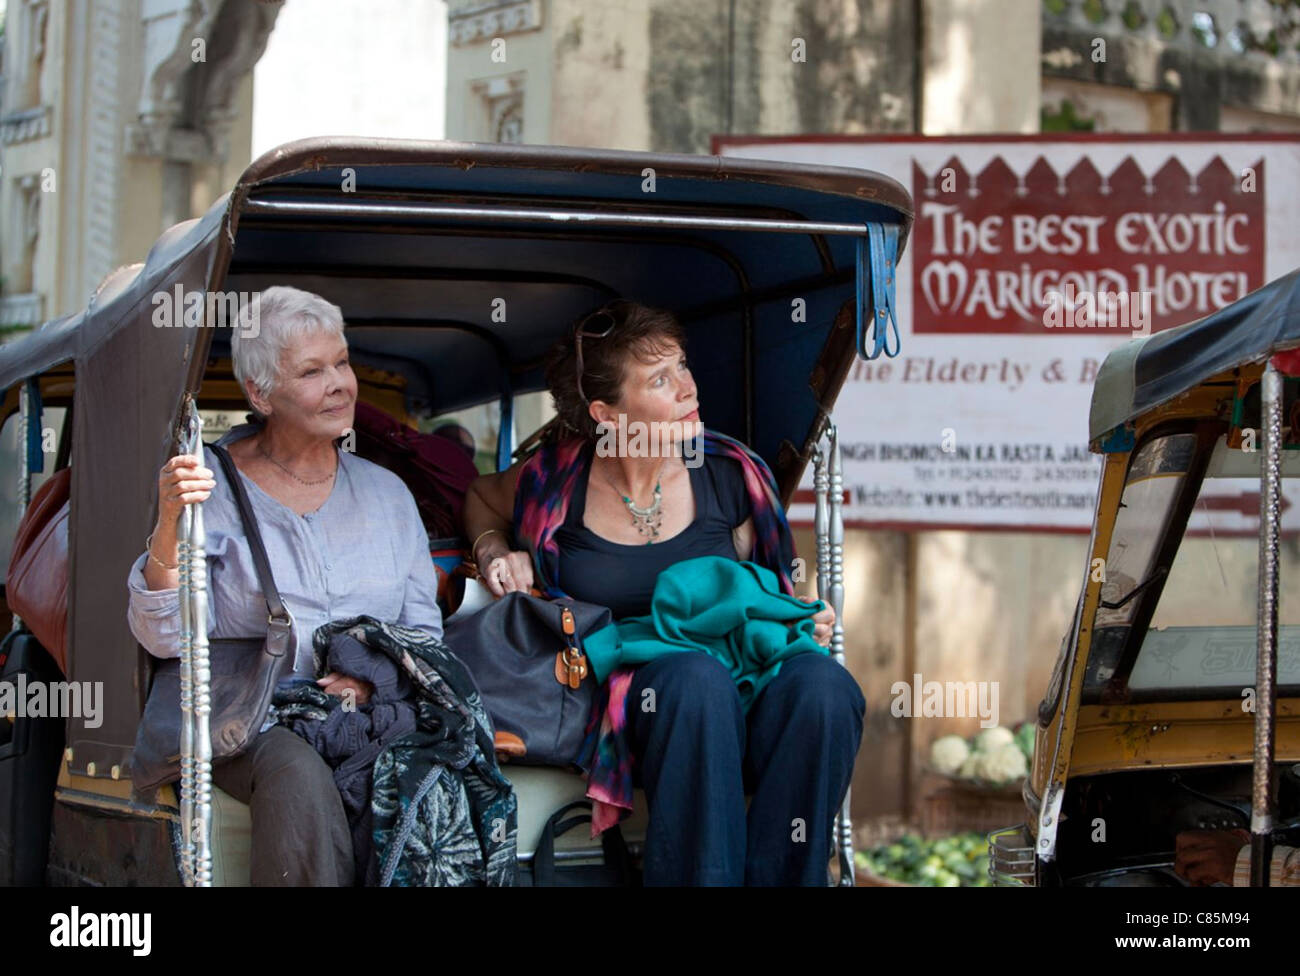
(1145,373)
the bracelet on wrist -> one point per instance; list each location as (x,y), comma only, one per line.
(473,549)
(148,545)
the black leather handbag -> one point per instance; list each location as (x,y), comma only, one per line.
(526,656)
(245,672)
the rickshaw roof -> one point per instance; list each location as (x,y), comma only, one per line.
(1148,372)
(343,257)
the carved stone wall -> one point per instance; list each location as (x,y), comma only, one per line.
(767,66)
(1202,54)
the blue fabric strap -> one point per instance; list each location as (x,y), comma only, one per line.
(884,255)
(882,244)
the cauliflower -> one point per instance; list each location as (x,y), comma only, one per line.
(990,740)
(1002,765)
(948,752)
(969,769)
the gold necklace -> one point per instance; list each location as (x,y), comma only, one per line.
(318,481)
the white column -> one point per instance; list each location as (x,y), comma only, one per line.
(980,66)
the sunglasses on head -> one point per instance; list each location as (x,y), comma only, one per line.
(597,325)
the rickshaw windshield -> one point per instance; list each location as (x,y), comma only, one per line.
(1202,635)
(1155,480)
(1200,641)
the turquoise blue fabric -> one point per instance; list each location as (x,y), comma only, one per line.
(734,611)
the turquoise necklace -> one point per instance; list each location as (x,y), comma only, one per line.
(648,520)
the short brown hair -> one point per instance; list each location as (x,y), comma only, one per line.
(639,331)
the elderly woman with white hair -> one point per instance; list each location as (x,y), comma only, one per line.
(343,537)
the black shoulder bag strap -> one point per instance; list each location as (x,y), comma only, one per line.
(279,620)
(618,869)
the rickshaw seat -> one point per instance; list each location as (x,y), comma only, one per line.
(540,790)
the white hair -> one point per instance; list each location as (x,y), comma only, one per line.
(271,322)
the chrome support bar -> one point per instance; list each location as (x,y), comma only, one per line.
(183,532)
(546,215)
(196,678)
(845,821)
(828,523)
(1270,495)
(24,468)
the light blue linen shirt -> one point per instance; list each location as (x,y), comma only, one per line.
(364,551)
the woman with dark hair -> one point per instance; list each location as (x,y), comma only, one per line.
(627,483)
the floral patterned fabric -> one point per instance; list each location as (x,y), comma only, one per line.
(441,812)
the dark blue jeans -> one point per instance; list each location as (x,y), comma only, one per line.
(698,755)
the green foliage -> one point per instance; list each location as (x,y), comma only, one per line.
(1064,120)
(959,861)
(1167,23)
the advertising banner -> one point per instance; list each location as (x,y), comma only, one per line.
(1030,259)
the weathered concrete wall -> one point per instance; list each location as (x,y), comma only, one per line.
(601,61)
(763,66)
(980,66)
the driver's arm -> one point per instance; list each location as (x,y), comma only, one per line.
(1283,871)
(1206,857)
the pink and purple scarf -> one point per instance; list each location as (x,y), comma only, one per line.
(546,483)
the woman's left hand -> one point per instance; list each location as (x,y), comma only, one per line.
(823,621)
(339,684)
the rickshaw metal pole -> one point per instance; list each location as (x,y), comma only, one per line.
(187,697)
(821,532)
(196,742)
(828,528)
(24,466)
(1270,476)
(844,821)
(500,215)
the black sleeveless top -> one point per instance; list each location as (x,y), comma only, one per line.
(622,577)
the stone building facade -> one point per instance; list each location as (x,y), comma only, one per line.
(119,118)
